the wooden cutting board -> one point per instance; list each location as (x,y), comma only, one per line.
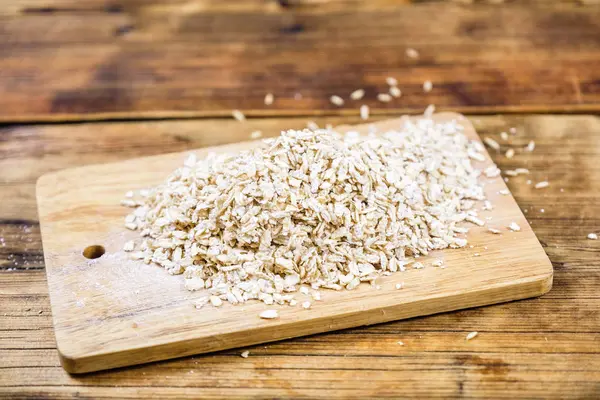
(111,311)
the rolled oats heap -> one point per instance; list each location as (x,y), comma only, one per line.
(310,207)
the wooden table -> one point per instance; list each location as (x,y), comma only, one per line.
(65,61)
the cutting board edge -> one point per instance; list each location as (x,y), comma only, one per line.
(80,363)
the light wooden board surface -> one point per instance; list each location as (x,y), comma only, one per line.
(113,311)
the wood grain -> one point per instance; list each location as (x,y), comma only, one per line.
(112,311)
(518,354)
(67,60)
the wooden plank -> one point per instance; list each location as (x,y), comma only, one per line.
(80,207)
(148,60)
(566,154)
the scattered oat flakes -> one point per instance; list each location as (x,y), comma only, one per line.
(269,99)
(395,92)
(357,94)
(510,172)
(522,171)
(384,97)
(399,285)
(528,181)
(418,265)
(504,192)
(491,143)
(504,136)
(238,115)
(471,335)
(494,231)
(541,185)
(337,100)
(514,227)
(245,354)
(510,153)
(255,135)
(129,194)
(400,342)
(364,112)
(513,131)
(438,263)
(427,86)
(269,314)
(316,295)
(306,305)
(592,236)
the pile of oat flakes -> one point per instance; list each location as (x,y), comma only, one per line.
(310,207)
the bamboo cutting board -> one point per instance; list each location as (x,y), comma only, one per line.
(111,311)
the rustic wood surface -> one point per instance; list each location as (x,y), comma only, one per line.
(73,60)
(540,348)
(151,314)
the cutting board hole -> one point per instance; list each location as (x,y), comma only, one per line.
(93,252)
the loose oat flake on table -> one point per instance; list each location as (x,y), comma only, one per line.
(311,208)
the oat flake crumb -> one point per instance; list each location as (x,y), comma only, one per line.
(215,301)
(269,99)
(306,305)
(357,94)
(269,314)
(412,53)
(337,100)
(400,342)
(391,81)
(427,86)
(541,185)
(364,112)
(256,135)
(491,143)
(245,354)
(129,246)
(238,115)
(530,146)
(394,91)
(471,335)
(384,97)
(514,227)
(592,236)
